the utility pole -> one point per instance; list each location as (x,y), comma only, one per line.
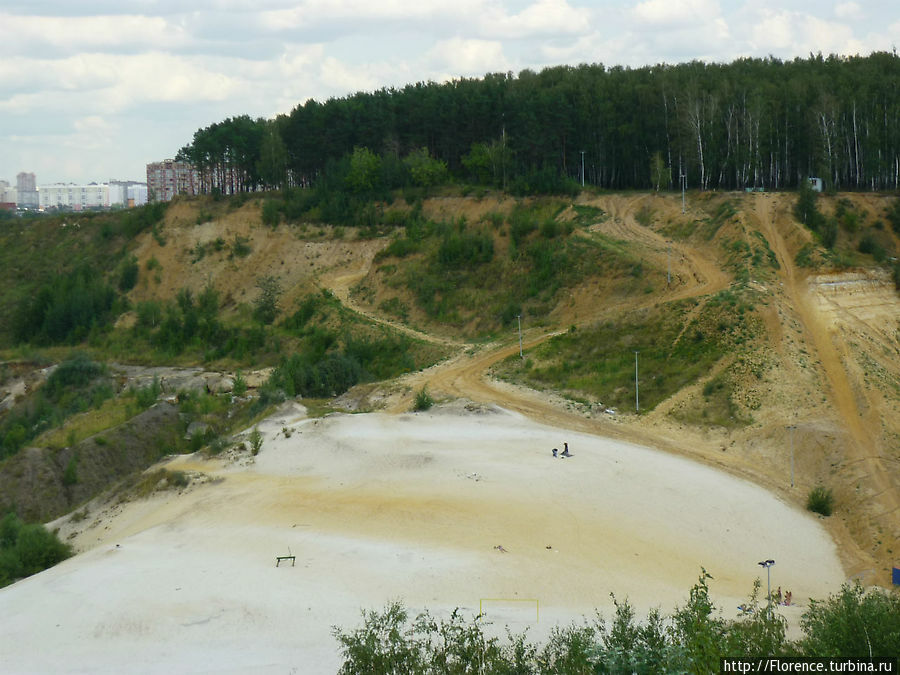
(668,262)
(519,319)
(582,168)
(791,428)
(768,565)
(637,401)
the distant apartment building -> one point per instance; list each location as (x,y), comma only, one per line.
(26,191)
(73,197)
(169,178)
(8,194)
(127,193)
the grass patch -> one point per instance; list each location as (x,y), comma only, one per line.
(112,413)
(423,401)
(598,362)
(820,500)
(159,480)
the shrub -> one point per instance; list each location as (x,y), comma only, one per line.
(256,441)
(265,307)
(240,384)
(820,500)
(851,623)
(424,401)
(271,212)
(70,475)
(128,274)
(27,549)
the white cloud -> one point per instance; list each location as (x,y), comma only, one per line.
(674,13)
(795,34)
(95,82)
(28,34)
(848,10)
(544,17)
(467,57)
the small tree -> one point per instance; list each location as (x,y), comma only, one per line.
(256,441)
(660,174)
(266,304)
(365,170)
(425,170)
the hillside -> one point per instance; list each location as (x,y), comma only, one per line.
(757,328)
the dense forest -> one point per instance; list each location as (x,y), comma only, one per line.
(751,123)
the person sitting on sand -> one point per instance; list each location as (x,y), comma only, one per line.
(555,450)
(787,598)
(565,452)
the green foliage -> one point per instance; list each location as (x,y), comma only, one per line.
(256,441)
(598,361)
(364,174)
(240,384)
(240,247)
(65,309)
(76,385)
(128,274)
(302,376)
(660,174)
(893,215)
(465,249)
(147,396)
(423,401)
(271,212)
(693,639)
(70,473)
(869,245)
(265,307)
(853,623)
(424,170)
(27,549)
(820,500)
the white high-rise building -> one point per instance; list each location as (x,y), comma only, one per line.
(26,191)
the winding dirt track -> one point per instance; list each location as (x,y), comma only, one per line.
(466,375)
(863,450)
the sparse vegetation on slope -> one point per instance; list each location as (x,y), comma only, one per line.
(694,638)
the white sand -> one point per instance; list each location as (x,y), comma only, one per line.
(379,508)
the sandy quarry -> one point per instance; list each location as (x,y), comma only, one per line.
(382,507)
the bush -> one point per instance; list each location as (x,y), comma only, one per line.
(27,549)
(820,500)
(271,212)
(424,401)
(256,441)
(852,623)
(65,309)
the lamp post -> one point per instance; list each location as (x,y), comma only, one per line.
(791,428)
(768,565)
(637,403)
(519,319)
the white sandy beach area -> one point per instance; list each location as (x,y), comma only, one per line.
(457,507)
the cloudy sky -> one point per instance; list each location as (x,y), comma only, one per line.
(95,89)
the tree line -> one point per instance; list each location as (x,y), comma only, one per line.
(749,123)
